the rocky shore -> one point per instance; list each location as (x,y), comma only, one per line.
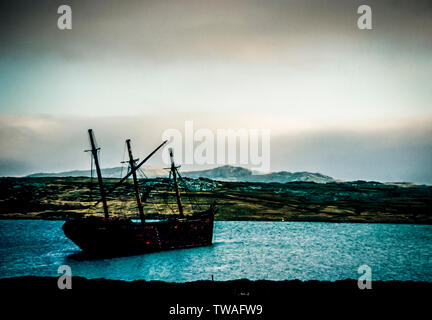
(155,300)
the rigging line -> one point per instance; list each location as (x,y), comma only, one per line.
(165,199)
(122,162)
(185,189)
(99,157)
(91,174)
(188,191)
(91,182)
(168,205)
(156,206)
(124,165)
(123,201)
(169,188)
(143,184)
(136,168)
(142,173)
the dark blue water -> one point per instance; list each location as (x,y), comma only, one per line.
(253,250)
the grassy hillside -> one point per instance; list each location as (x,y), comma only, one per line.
(59,198)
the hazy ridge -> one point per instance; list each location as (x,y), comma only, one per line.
(223,173)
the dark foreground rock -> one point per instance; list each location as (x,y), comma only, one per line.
(155,300)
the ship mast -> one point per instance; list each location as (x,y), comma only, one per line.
(135,181)
(94,151)
(133,170)
(177,191)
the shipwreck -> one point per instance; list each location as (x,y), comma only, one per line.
(118,236)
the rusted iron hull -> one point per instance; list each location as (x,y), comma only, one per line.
(115,237)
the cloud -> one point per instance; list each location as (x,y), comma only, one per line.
(301,68)
(386,153)
(206,29)
(303,57)
(391,154)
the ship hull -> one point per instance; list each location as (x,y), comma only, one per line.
(118,237)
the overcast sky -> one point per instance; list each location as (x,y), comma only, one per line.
(350,103)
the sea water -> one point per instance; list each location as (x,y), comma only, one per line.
(241,249)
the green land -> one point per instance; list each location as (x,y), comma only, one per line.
(359,201)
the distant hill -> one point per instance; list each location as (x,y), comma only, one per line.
(223,173)
(116,172)
(231,173)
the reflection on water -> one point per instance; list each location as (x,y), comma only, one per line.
(253,250)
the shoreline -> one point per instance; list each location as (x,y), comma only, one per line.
(236,287)
(156,299)
(20,218)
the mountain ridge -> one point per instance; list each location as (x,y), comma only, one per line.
(222,173)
